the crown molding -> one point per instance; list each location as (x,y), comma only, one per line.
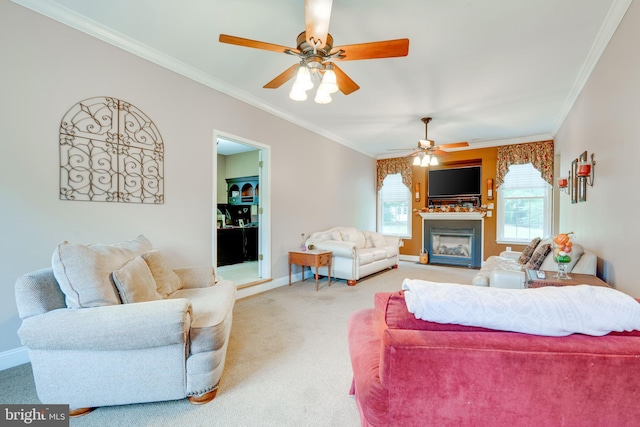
(88,26)
(488,144)
(612,21)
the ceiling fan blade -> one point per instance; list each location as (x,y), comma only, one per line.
(345,83)
(454,145)
(373,50)
(284,77)
(225,38)
(317,14)
(439,152)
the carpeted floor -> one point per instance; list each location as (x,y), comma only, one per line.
(287,363)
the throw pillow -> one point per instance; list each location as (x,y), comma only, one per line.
(361,240)
(349,234)
(135,282)
(167,281)
(84,272)
(538,257)
(550,310)
(378,240)
(525,256)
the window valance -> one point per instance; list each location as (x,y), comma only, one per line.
(539,154)
(401,165)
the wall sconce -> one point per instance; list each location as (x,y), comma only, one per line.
(586,169)
(490,189)
(563,184)
(417,191)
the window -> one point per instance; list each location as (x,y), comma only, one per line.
(394,207)
(524,205)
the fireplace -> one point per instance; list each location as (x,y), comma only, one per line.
(453,239)
(451,246)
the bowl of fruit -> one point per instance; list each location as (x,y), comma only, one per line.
(562,248)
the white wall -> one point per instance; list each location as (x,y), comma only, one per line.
(48,67)
(605,120)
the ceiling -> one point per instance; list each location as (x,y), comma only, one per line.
(490,72)
(226,147)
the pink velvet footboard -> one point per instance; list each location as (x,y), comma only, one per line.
(365,333)
(503,378)
(440,375)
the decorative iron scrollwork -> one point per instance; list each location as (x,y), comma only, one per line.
(110,151)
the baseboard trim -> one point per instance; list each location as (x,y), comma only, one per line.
(272,284)
(413,258)
(14,357)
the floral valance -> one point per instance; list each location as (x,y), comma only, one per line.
(401,165)
(539,154)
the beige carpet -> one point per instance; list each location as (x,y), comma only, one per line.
(287,364)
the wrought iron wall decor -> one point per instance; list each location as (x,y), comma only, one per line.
(110,151)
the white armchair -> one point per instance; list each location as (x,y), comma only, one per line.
(112,325)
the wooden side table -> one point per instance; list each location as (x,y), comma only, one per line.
(550,280)
(311,258)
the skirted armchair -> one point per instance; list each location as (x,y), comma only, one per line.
(113,325)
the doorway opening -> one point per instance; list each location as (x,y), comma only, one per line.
(241,214)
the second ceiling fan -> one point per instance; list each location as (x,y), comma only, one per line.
(317,53)
(427,150)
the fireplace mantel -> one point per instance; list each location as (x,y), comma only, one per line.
(452,215)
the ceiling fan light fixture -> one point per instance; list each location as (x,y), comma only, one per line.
(322,97)
(298,93)
(434,161)
(303,78)
(416,161)
(426,160)
(329,82)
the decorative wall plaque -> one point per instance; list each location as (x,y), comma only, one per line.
(110,151)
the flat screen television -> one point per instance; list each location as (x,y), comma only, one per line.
(454,182)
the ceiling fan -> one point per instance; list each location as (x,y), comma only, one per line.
(427,150)
(317,53)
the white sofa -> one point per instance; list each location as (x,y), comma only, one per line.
(356,253)
(504,271)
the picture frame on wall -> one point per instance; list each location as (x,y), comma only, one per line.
(573,190)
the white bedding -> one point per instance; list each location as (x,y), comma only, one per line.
(551,311)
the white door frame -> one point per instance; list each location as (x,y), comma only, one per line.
(264,201)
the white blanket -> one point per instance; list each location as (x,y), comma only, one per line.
(551,311)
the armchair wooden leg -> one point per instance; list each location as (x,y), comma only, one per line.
(203,398)
(74,413)
(351,282)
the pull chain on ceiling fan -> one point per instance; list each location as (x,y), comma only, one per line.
(317,53)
